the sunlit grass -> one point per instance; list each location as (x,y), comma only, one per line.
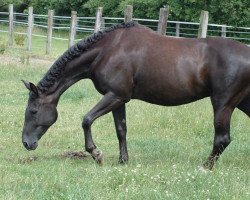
(166,144)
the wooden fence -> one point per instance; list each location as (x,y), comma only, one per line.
(100,24)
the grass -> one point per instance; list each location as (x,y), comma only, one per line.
(39,43)
(166,144)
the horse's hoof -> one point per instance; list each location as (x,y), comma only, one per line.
(202,169)
(208,165)
(99,158)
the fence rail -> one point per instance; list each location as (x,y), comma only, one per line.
(77,25)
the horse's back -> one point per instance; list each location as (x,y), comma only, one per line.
(169,71)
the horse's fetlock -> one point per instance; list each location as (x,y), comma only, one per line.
(90,148)
(123,159)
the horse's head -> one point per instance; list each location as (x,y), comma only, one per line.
(40,114)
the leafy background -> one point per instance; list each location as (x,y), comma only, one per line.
(231,12)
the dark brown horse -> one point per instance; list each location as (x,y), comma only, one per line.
(130,61)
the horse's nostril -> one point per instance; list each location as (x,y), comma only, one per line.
(25,144)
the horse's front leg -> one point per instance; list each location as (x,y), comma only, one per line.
(119,115)
(108,103)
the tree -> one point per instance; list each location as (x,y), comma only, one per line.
(17,4)
(231,12)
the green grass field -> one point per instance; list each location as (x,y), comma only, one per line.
(166,145)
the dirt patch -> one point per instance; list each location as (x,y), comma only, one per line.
(69,154)
(75,155)
(27,160)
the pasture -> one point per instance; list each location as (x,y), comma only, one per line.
(166,145)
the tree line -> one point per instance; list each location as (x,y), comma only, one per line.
(230,12)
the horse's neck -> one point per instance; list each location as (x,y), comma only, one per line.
(73,73)
(75,70)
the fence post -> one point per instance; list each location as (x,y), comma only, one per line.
(223,31)
(177,32)
(98,20)
(30,28)
(49,31)
(11,25)
(203,24)
(128,13)
(72,31)
(103,23)
(163,18)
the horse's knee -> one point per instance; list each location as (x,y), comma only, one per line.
(86,122)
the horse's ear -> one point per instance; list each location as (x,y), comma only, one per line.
(30,86)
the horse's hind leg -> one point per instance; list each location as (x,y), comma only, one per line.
(222,116)
(244,106)
(108,103)
(119,115)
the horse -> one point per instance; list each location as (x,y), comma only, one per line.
(130,61)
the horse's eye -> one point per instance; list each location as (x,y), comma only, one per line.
(33,111)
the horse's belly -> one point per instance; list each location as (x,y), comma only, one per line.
(168,97)
(168,101)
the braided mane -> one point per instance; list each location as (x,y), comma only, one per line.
(57,69)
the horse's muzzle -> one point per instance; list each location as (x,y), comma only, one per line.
(30,146)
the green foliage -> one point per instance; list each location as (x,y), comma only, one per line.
(2,48)
(144,8)
(61,7)
(19,5)
(110,6)
(233,12)
(19,39)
